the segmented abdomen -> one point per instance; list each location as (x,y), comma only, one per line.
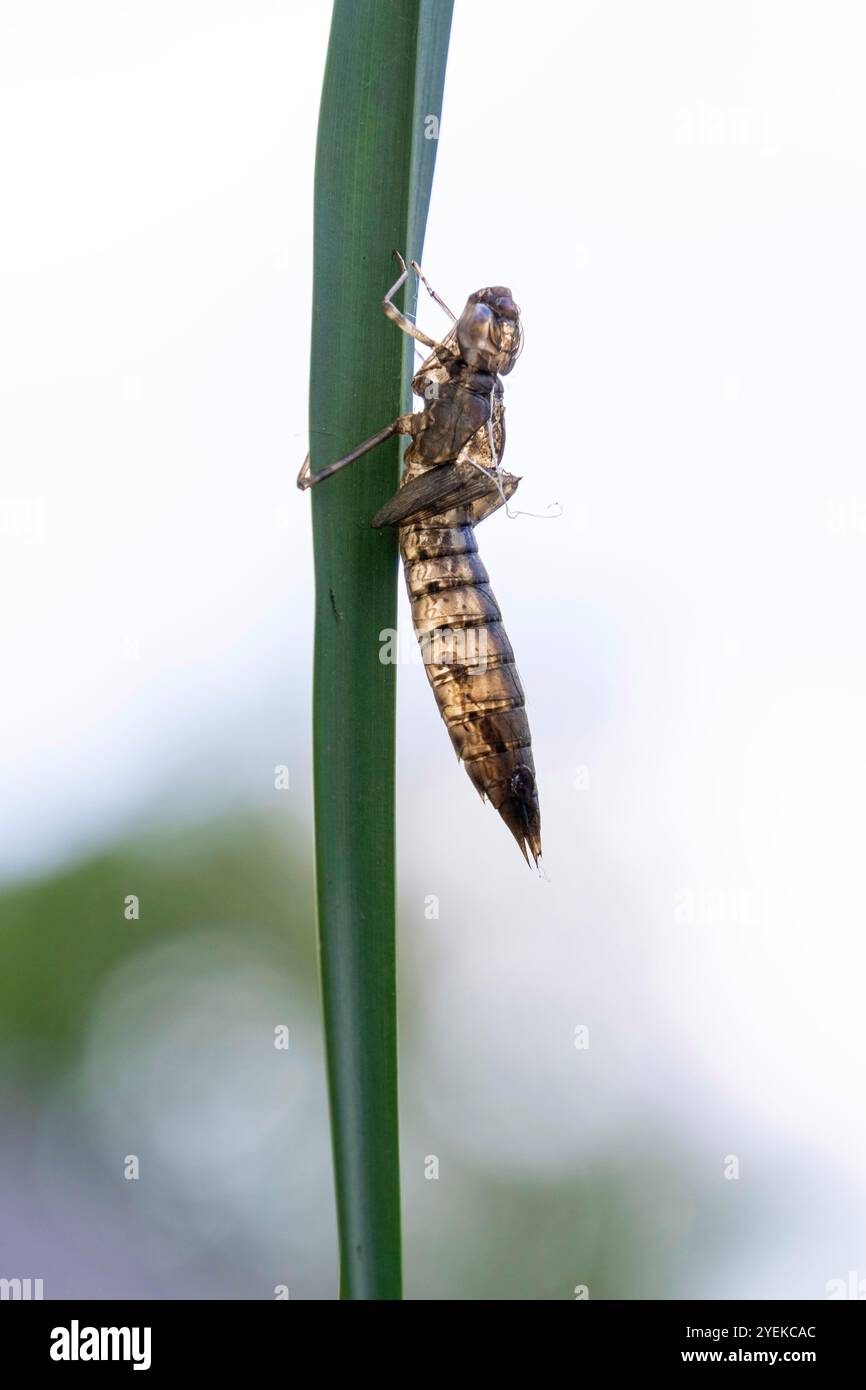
(470,665)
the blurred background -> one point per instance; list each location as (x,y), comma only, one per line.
(644,1075)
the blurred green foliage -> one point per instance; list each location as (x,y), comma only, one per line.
(62,935)
(643,1219)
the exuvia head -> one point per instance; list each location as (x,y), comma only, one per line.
(489,331)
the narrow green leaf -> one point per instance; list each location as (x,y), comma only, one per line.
(374,168)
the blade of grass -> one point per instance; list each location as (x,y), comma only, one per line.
(374,168)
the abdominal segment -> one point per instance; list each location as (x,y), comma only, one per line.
(471,668)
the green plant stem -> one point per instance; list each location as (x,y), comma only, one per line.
(374,167)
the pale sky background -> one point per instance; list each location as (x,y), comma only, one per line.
(676,194)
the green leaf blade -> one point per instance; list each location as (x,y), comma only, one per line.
(374,168)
